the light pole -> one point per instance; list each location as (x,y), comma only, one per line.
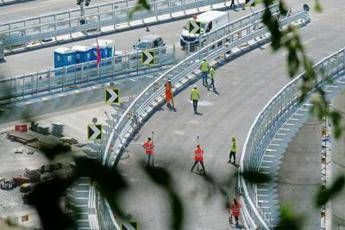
(82,10)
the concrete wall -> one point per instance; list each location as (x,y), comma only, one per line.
(300,174)
(338,167)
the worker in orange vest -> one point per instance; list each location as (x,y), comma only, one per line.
(235,210)
(169,95)
(149,150)
(198,158)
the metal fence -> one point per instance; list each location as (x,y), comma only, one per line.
(9,2)
(22,32)
(81,75)
(124,124)
(152,95)
(105,218)
(266,124)
(144,104)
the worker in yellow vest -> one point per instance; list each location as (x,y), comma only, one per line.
(212,75)
(204,67)
(233,150)
(194,97)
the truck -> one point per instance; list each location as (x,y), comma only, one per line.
(200,25)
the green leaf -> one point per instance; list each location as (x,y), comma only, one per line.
(51,150)
(144,4)
(177,211)
(288,220)
(317,6)
(282,8)
(159,175)
(141,5)
(255,177)
(324,194)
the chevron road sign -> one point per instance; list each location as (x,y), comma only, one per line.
(194,27)
(148,57)
(112,96)
(94,132)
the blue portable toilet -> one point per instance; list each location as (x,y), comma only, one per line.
(63,57)
(106,48)
(83,53)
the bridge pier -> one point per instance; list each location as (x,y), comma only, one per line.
(300,174)
(338,168)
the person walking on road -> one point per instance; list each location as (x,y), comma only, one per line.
(233,150)
(195,97)
(169,95)
(235,210)
(204,67)
(149,150)
(198,158)
(212,75)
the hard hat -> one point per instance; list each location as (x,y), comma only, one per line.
(195,87)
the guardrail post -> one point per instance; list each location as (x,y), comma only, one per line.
(55,27)
(70,23)
(36,83)
(49,79)
(2,51)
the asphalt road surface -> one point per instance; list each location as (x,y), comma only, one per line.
(245,85)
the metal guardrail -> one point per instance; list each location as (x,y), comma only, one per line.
(10,2)
(105,218)
(22,32)
(150,97)
(144,104)
(80,75)
(267,123)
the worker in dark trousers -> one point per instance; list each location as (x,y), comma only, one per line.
(195,96)
(149,150)
(235,211)
(233,150)
(198,158)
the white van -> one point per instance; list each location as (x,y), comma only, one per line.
(200,25)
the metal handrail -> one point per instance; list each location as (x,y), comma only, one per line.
(142,104)
(108,14)
(80,75)
(231,39)
(255,132)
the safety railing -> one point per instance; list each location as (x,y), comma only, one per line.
(22,32)
(150,97)
(144,104)
(10,2)
(105,218)
(249,19)
(81,75)
(266,124)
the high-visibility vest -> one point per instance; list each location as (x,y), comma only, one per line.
(148,146)
(204,67)
(234,147)
(198,154)
(212,73)
(236,209)
(168,92)
(195,95)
